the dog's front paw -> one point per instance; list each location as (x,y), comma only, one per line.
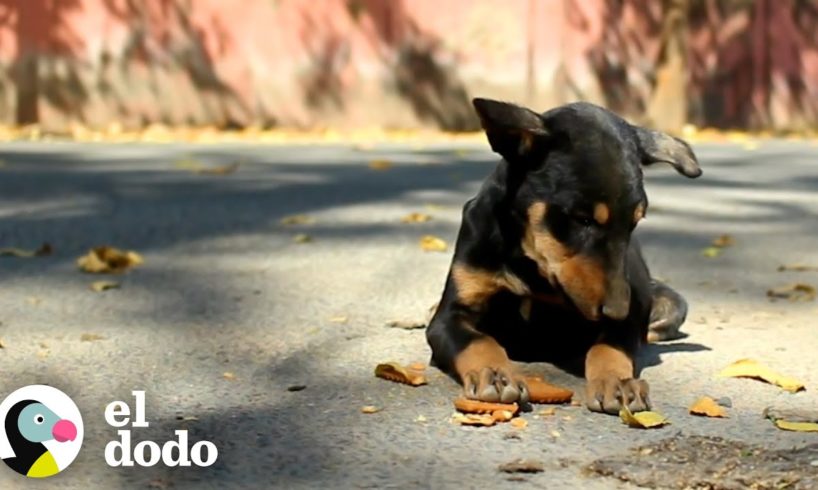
(495,385)
(609,394)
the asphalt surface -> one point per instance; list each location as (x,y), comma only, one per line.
(226,289)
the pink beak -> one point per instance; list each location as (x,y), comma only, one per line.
(64,430)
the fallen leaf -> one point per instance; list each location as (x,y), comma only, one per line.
(502,415)
(796,426)
(105,259)
(522,466)
(302,238)
(750,368)
(406,324)
(416,218)
(724,241)
(466,405)
(555,434)
(229,376)
(380,164)
(540,391)
(370,409)
(707,407)
(519,423)
(420,418)
(794,292)
(393,371)
(431,243)
(297,219)
(91,337)
(339,319)
(711,252)
(642,420)
(483,420)
(45,249)
(417,366)
(548,412)
(797,268)
(99,286)
(2,344)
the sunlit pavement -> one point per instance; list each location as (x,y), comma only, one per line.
(229,310)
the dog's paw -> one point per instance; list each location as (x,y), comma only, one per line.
(495,385)
(609,394)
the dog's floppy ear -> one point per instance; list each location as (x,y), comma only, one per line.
(655,146)
(512,130)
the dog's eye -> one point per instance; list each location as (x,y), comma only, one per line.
(583,220)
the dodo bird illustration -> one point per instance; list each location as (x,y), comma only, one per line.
(29,424)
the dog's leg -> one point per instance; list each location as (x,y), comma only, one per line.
(473,358)
(667,314)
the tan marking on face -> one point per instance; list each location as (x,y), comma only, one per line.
(475,286)
(602,213)
(603,361)
(582,278)
(481,353)
(526,142)
(638,213)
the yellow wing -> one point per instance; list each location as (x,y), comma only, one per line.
(45,466)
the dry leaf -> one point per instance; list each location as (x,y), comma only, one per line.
(380,164)
(642,420)
(547,412)
(483,420)
(711,252)
(724,241)
(750,368)
(393,371)
(229,376)
(793,292)
(45,249)
(416,218)
(99,286)
(431,243)
(797,268)
(707,407)
(370,409)
(302,238)
(297,219)
(105,259)
(476,406)
(796,426)
(90,337)
(522,466)
(502,415)
(519,423)
(420,418)
(339,319)
(540,391)
(406,324)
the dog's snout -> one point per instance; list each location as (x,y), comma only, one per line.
(618,301)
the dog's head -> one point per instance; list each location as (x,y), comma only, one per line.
(576,175)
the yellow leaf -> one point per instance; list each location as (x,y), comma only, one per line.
(339,319)
(393,371)
(797,267)
(519,423)
(229,376)
(370,409)
(750,368)
(105,259)
(484,420)
(793,292)
(297,219)
(707,407)
(431,243)
(380,164)
(642,420)
(99,286)
(45,249)
(416,218)
(711,252)
(91,337)
(797,426)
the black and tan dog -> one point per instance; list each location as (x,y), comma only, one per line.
(546,267)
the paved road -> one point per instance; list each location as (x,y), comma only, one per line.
(225,288)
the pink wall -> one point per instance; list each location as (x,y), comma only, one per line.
(394,63)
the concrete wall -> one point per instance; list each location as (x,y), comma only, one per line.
(403,63)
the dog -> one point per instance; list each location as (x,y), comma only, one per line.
(546,267)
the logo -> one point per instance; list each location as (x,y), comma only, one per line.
(42,431)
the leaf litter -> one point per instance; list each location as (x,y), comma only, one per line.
(750,368)
(108,260)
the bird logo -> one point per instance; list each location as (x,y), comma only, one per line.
(43,431)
